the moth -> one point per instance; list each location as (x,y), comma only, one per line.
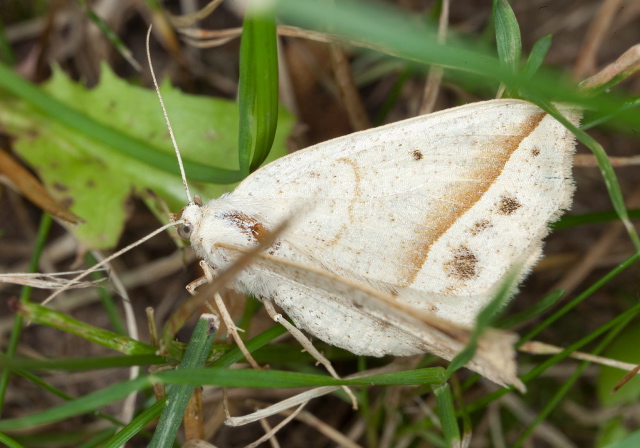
(432,211)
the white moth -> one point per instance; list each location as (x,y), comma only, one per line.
(432,211)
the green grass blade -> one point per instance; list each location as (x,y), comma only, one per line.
(178,396)
(446,412)
(508,40)
(537,56)
(80,364)
(16,330)
(258,89)
(622,317)
(568,384)
(252,345)
(539,369)
(485,318)
(271,379)
(580,298)
(9,442)
(52,318)
(627,106)
(110,35)
(79,405)
(536,309)
(592,218)
(137,425)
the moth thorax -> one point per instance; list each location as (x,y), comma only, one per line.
(249,230)
(229,227)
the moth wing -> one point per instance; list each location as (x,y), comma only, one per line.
(435,208)
(412,330)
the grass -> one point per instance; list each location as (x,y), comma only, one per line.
(61,385)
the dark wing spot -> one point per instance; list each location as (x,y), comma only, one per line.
(479,226)
(463,265)
(535,152)
(508,205)
(417,155)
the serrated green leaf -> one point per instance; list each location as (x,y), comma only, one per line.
(97,179)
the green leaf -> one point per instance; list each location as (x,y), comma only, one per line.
(97,177)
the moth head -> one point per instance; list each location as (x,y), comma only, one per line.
(191,216)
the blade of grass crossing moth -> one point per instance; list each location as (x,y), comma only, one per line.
(447,415)
(610,179)
(118,141)
(16,331)
(179,394)
(258,89)
(508,40)
(485,319)
(537,55)
(274,379)
(252,345)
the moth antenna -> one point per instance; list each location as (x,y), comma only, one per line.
(95,267)
(166,119)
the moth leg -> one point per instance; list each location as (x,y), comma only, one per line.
(233,331)
(223,312)
(192,286)
(306,344)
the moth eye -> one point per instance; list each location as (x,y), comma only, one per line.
(184,231)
